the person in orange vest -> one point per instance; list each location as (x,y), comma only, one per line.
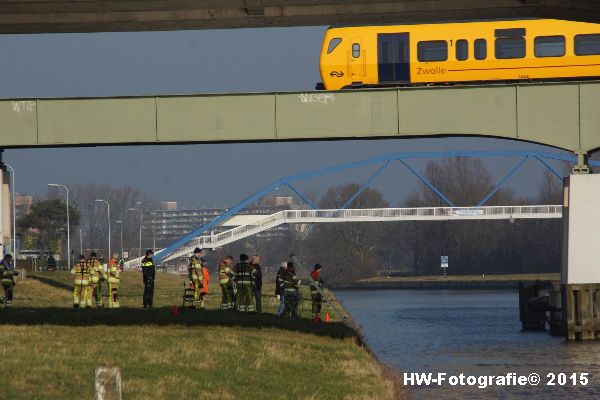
(205,279)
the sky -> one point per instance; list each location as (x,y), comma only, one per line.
(184,62)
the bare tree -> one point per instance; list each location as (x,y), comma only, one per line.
(350,251)
(94,221)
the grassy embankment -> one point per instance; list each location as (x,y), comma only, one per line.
(465,278)
(51,350)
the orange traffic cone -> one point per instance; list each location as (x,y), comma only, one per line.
(175,311)
(327,319)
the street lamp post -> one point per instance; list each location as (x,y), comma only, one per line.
(153,232)
(141,220)
(68,224)
(108,214)
(121,223)
(14,213)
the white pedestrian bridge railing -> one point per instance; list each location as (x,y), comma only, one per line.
(263,223)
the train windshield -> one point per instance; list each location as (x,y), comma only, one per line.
(333,43)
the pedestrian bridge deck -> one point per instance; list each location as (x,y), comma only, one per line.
(362,215)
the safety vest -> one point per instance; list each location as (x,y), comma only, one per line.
(148,268)
(317,282)
(225,273)
(6,273)
(195,270)
(244,273)
(96,271)
(114,275)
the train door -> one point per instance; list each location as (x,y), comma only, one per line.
(357,61)
(393,57)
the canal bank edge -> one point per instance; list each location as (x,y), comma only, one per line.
(387,372)
(450,282)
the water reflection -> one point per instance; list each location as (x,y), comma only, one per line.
(476,332)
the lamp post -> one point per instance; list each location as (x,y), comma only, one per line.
(153,232)
(108,214)
(80,242)
(141,220)
(68,224)
(14,213)
(121,223)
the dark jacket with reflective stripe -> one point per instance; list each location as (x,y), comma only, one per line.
(244,273)
(148,268)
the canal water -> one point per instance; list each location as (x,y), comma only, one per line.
(473,332)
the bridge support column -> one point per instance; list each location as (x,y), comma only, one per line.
(580,275)
(582,163)
(5,210)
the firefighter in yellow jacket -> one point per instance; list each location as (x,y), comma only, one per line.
(113,281)
(195,274)
(96,278)
(81,284)
(226,283)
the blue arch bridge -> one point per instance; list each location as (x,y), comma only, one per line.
(246,225)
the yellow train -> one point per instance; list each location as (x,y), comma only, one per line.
(402,55)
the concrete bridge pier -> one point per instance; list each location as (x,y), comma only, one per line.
(5,210)
(580,275)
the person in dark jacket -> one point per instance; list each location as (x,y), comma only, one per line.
(244,281)
(149,272)
(279,292)
(51,263)
(257,282)
(7,274)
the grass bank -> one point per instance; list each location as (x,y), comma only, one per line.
(450,281)
(54,349)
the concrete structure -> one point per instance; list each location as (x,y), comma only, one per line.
(580,289)
(581,251)
(23,205)
(170,224)
(5,212)
(562,115)
(43,16)
(168,205)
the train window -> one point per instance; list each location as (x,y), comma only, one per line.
(462,50)
(480,49)
(510,48)
(587,45)
(549,46)
(513,32)
(432,50)
(355,50)
(333,43)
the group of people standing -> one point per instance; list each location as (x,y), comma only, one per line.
(89,275)
(241,284)
(287,290)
